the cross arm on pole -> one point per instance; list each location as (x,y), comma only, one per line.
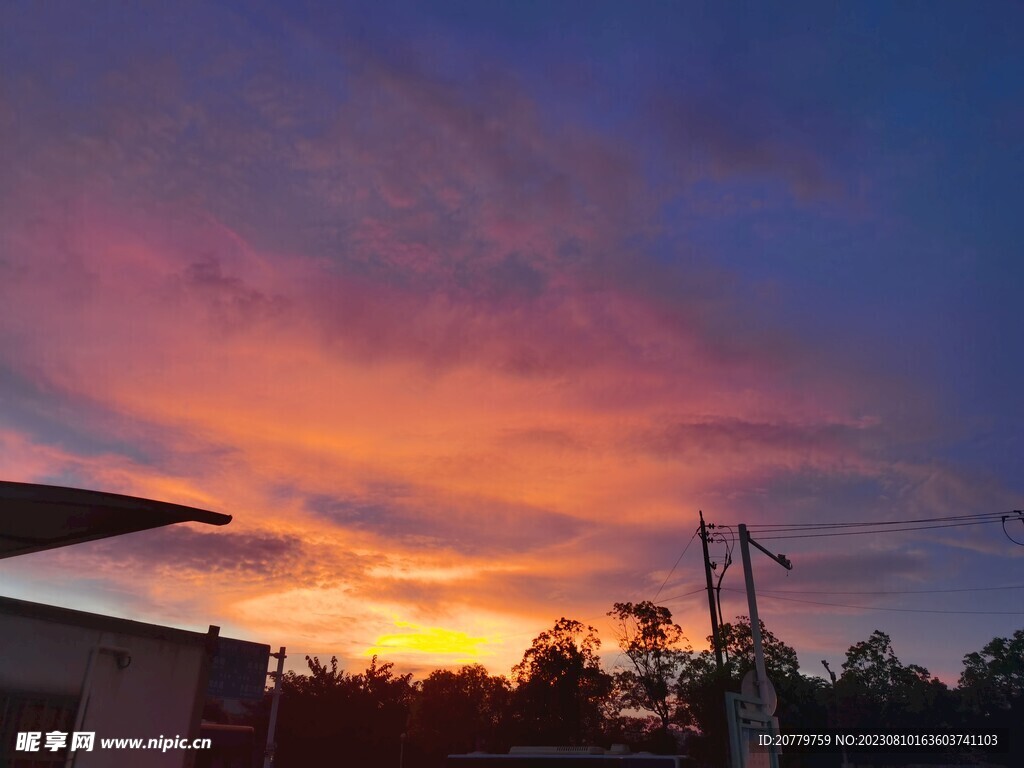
(780,559)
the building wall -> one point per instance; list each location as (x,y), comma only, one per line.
(47,650)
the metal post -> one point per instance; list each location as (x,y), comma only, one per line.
(268,756)
(755,622)
(761,678)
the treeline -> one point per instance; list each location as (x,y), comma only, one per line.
(662,697)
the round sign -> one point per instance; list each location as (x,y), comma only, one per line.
(748,688)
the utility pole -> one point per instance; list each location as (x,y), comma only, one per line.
(755,621)
(268,756)
(716,638)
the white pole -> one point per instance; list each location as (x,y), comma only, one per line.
(268,756)
(755,623)
(755,633)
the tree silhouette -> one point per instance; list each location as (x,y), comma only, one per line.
(993,678)
(992,692)
(329,712)
(560,695)
(651,641)
(561,691)
(780,660)
(460,712)
(876,689)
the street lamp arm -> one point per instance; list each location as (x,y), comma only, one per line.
(780,559)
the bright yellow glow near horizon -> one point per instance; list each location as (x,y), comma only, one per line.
(430,640)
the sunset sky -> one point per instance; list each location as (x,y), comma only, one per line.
(463,310)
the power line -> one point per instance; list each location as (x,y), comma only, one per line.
(778,527)
(669,576)
(895,610)
(878,592)
(887,530)
(977,515)
(1018,543)
(685,594)
(678,560)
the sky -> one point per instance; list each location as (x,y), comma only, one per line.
(463,311)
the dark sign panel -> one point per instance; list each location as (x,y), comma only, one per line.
(239,670)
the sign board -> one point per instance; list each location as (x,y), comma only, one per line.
(749,689)
(747,722)
(239,670)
